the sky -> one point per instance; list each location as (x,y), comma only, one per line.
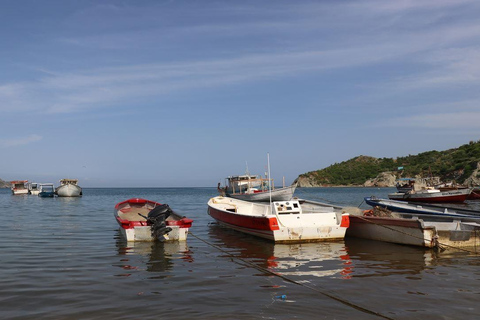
(185,93)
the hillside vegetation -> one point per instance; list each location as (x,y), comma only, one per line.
(451,165)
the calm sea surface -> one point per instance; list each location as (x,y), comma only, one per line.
(63,258)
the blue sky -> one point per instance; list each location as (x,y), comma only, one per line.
(185,93)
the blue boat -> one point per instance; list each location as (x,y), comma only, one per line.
(47,190)
(422,209)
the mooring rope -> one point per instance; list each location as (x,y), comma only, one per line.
(329,295)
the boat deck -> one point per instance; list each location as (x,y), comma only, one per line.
(131,213)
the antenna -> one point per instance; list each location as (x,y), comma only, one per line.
(269,179)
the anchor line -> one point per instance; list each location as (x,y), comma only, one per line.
(329,295)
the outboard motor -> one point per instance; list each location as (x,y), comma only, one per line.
(157,217)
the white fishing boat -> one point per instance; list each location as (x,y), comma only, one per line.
(33,188)
(19,187)
(281,221)
(242,183)
(145,220)
(69,188)
(264,191)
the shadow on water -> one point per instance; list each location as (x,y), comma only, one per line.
(376,258)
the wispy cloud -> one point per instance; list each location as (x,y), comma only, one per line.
(454,120)
(20,141)
(443,51)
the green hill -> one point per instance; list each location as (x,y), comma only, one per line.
(454,164)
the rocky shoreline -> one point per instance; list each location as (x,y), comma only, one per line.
(388,179)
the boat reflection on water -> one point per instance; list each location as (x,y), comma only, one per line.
(319,259)
(152,256)
(372,258)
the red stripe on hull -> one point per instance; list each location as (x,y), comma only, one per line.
(248,222)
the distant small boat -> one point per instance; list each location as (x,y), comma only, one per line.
(33,188)
(145,220)
(432,195)
(242,183)
(47,190)
(258,189)
(281,221)
(255,188)
(69,188)
(405,185)
(19,187)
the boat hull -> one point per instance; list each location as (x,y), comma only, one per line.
(256,219)
(69,190)
(19,191)
(438,197)
(46,194)
(395,230)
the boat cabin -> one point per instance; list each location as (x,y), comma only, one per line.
(69,181)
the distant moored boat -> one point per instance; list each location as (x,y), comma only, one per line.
(19,187)
(69,188)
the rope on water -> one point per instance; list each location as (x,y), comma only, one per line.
(329,295)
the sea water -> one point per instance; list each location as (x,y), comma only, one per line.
(64,258)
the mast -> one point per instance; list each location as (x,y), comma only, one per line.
(269,180)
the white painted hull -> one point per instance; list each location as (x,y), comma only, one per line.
(394,230)
(69,190)
(144,233)
(20,191)
(291,221)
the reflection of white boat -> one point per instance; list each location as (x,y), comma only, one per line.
(310,259)
(299,259)
(33,188)
(145,220)
(281,221)
(69,188)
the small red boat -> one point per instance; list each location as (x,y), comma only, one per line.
(145,220)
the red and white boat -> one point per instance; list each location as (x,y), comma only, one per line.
(281,221)
(19,187)
(145,220)
(432,195)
